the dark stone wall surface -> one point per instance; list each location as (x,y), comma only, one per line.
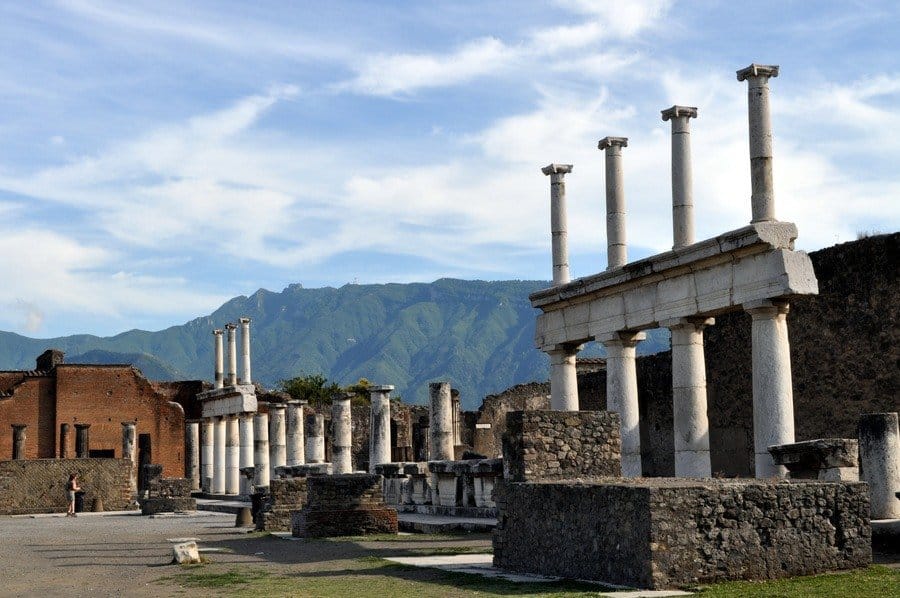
(343,505)
(665,532)
(555,445)
(285,496)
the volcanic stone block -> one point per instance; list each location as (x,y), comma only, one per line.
(669,532)
(344,505)
(823,459)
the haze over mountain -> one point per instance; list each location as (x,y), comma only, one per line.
(477,334)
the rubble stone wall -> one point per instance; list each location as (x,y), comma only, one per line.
(344,505)
(285,496)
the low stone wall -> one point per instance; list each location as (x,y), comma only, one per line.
(344,505)
(39,485)
(285,496)
(666,532)
(557,445)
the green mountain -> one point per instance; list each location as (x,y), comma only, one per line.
(476,334)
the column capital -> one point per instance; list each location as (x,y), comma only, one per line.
(679,112)
(217,332)
(380,388)
(565,349)
(625,338)
(608,142)
(697,321)
(132,423)
(230,326)
(19,426)
(757,70)
(297,402)
(766,308)
(82,426)
(244,320)
(557,169)
(342,396)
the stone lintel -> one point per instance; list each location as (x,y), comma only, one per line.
(697,321)
(678,111)
(608,142)
(822,453)
(230,400)
(557,169)
(757,70)
(380,388)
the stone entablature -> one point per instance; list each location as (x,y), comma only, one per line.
(669,532)
(721,274)
(229,400)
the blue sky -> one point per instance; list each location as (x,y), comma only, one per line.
(159,158)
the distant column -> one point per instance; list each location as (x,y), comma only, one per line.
(232,354)
(558,221)
(622,395)
(245,351)
(261,449)
(773,393)
(218,477)
(18,443)
(616,246)
(879,460)
(64,433)
(220,358)
(563,378)
(380,428)
(192,453)
(295,433)
(206,454)
(457,433)
(341,433)
(232,455)
(277,437)
(441,424)
(315,438)
(245,433)
(761,181)
(682,174)
(129,452)
(82,441)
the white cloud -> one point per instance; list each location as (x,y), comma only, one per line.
(623,19)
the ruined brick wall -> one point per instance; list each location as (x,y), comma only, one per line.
(183,392)
(344,505)
(32,404)
(285,496)
(105,396)
(663,533)
(555,445)
(490,423)
(39,486)
(10,378)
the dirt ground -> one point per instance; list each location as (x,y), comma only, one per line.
(128,555)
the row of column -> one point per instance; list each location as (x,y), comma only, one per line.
(82,440)
(219,346)
(772,390)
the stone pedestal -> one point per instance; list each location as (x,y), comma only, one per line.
(622,395)
(879,460)
(419,486)
(486,472)
(315,438)
(380,426)
(341,434)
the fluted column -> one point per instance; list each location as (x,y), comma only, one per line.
(315,438)
(761,180)
(192,453)
(261,449)
(441,422)
(219,347)
(207,454)
(558,221)
(380,429)
(341,433)
(682,174)
(277,437)
(232,455)
(616,244)
(245,351)
(691,423)
(218,477)
(232,354)
(622,395)
(773,394)
(295,433)
(564,378)
(245,439)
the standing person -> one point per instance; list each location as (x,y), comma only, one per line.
(71,488)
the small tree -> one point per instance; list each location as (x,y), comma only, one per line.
(314,388)
(361,390)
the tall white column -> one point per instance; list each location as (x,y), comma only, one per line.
(440,428)
(206,454)
(622,395)
(192,453)
(232,455)
(682,174)
(341,433)
(879,461)
(616,244)
(762,184)
(245,351)
(218,485)
(129,451)
(232,354)
(564,378)
(773,395)
(220,358)
(380,425)
(691,423)
(295,434)
(261,449)
(558,221)
(245,433)
(315,438)
(277,437)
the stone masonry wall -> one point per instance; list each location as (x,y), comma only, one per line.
(344,505)
(39,486)
(285,495)
(663,532)
(553,445)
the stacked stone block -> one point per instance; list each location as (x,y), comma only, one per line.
(829,459)
(286,494)
(344,505)
(165,495)
(661,533)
